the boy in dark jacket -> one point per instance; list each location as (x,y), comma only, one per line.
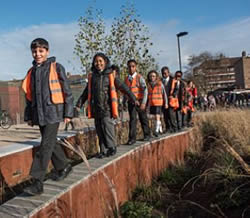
(103,102)
(177,92)
(48,102)
(167,80)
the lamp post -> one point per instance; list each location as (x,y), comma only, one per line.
(180,34)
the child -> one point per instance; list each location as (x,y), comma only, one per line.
(138,86)
(48,102)
(102,102)
(167,80)
(157,98)
(176,101)
(191,96)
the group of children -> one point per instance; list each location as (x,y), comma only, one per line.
(50,101)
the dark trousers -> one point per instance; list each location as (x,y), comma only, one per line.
(176,118)
(47,150)
(133,110)
(189,117)
(105,130)
(168,119)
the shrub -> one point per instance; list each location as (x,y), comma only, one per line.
(135,209)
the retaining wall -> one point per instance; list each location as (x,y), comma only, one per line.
(110,183)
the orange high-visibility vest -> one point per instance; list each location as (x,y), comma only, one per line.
(191,94)
(184,109)
(113,96)
(155,95)
(135,87)
(173,101)
(57,96)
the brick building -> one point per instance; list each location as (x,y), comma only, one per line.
(225,73)
(12,99)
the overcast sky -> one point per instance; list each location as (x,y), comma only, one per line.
(212,26)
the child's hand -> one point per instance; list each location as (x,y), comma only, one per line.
(77,108)
(137,103)
(166,106)
(143,107)
(66,120)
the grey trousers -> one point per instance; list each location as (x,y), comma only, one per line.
(105,130)
(47,150)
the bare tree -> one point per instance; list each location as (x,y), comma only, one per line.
(128,38)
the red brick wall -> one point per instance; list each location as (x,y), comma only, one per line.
(93,198)
(12,100)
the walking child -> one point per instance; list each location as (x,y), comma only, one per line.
(177,101)
(157,99)
(102,102)
(167,80)
(191,96)
(137,85)
(48,102)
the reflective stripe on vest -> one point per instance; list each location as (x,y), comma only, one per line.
(174,83)
(173,101)
(56,93)
(113,96)
(135,87)
(155,95)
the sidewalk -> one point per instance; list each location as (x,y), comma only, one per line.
(22,132)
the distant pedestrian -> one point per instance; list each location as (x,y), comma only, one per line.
(157,99)
(49,101)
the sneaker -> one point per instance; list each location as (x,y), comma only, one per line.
(35,189)
(62,174)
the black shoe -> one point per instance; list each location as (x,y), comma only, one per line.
(111,151)
(62,174)
(147,138)
(35,189)
(156,134)
(100,155)
(131,142)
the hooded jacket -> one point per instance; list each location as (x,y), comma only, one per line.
(100,88)
(41,110)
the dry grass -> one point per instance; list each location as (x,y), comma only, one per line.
(232,127)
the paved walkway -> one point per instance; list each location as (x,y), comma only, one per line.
(22,132)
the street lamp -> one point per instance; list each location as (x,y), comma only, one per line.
(180,34)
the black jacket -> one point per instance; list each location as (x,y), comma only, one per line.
(180,93)
(168,85)
(100,96)
(41,111)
